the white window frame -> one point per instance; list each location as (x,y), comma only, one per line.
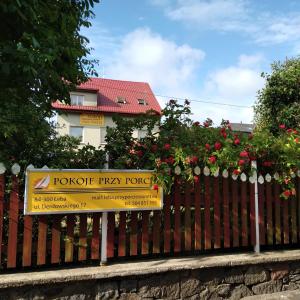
(82,135)
(142,101)
(121,100)
(103,133)
(76,102)
(141,133)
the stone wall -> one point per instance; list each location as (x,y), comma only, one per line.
(207,283)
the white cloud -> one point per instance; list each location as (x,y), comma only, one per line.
(277,29)
(263,27)
(143,55)
(217,14)
(238,85)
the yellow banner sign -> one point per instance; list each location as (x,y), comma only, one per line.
(92,119)
(69,191)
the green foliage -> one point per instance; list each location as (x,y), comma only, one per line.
(120,141)
(42,57)
(279,101)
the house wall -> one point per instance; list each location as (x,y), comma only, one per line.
(92,134)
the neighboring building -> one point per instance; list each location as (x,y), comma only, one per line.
(94,103)
(241,127)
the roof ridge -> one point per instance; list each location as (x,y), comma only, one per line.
(99,78)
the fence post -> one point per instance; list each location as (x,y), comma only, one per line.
(103,261)
(257,239)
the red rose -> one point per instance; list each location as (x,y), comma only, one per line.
(196,123)
(196,179)
(295,132)
(244,154)
(224,134)
(170,160)
(167,146)
(287,193)
(282,126)
(154,148)
(139,153)
(236,172)
(218,146)
(155,187)
(212,159)
(289,130)
(267,164)
(241,162)
(194,159)
(207,146)
(237,141)
(205,124)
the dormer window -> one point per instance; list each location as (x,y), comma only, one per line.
(121,100)
(77,99)
(142,102)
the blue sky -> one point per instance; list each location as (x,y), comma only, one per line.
(204,50)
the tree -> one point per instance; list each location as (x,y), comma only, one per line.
(42,57)
(279,101)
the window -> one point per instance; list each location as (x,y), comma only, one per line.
(142,133)
(77,131)
(142,102)
(77,100)
(103,135)
(121,100)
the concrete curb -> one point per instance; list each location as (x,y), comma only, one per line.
(125,269)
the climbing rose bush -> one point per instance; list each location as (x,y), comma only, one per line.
(175,145)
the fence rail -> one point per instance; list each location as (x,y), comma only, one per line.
(215,214)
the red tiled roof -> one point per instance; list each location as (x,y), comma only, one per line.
(109,90)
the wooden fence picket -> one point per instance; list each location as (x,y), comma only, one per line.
(198,231)
(207,221)
(122,234)
(177,216)
(277,204)
(55,239)
(69,240)
(156,231)
(226,212)
(82,246)
(294,219)
(269,207)
(2,191)
(145,232)
(252,214)
(235,214)
(42,240)
(111,223)
(261,211)
(187,219)
(12,244)
(167,224)
(217,215)
(133,234)
(244,213)
(95,242)
(27,241)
